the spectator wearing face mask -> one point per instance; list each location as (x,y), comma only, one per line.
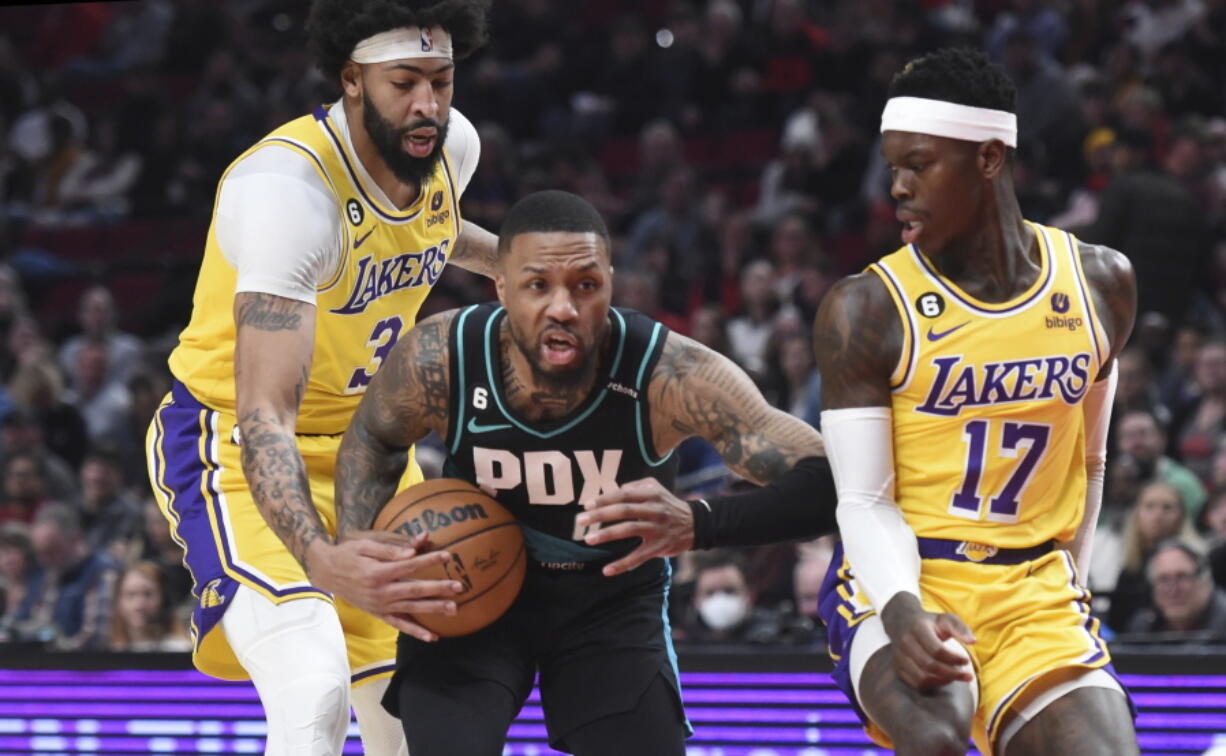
(1187,607)
(723,608)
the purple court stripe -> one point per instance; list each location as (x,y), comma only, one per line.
(124,710)
(1180,700)
(1180,721)
(91,693)
(1174,681)
(187,677)
(759,678)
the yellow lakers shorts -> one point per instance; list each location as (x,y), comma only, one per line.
(198,481)
(1030,618)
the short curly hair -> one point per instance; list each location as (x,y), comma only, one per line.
(334,27)
(960,75)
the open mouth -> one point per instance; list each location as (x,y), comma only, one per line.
(420,144)
(560,348)
(911,231)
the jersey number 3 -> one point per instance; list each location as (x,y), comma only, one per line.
(1025,442)
(382,338)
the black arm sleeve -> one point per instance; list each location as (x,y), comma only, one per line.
(798,506)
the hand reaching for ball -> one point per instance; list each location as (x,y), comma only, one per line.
(641,509)
(374,571)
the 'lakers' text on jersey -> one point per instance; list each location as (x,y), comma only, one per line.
(542,471)
(988,428)
(391,258)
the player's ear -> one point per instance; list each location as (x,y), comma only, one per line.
(500,285)
(992,157)
(351,79)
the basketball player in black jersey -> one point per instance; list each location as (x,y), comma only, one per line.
(551,399)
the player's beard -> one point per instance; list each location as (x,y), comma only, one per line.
(388,141)
(551,379)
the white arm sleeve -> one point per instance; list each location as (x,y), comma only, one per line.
(1097,409)
(464,146)
(878,542)
(277,223)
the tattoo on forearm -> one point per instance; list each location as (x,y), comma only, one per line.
(266,312)
(706,396)
(277,477)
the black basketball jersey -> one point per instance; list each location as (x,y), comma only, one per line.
(542,471)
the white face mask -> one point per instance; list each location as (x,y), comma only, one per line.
(723,610)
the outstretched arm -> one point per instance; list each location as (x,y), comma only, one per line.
(695,391)
(857,339)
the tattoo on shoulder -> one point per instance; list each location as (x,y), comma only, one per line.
(857,340)
(266,312)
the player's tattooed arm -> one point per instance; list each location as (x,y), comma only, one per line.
(857,341)
(476,250)
(695,391)
(1114,289)
(272,363)
(407,398)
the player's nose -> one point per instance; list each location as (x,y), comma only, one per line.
(562,306)
(425,105)
(899,188)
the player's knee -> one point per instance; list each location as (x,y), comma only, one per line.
(310,713)
(935,738)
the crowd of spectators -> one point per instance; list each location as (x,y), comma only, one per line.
(733,147)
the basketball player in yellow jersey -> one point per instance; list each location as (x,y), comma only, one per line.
(966,386)
(326,236)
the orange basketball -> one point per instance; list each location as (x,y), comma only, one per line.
(486,545)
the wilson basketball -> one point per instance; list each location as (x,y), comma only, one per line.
(486,545)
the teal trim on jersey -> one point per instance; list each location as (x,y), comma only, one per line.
(547,548)
(494,389)
(668,639)
(638,408)
(651,346)
(459,425)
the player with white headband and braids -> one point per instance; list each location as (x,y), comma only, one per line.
(327,235)
(967,383)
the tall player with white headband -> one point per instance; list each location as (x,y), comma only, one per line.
(967,382)
(327,235)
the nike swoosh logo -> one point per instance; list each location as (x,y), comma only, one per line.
(365,236)
(473,427)
(934,336)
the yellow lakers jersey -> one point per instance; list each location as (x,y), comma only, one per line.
(391,260)
(989,438)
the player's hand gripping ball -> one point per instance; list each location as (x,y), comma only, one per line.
(486,545)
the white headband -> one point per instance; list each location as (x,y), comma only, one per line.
(947,119)
(405,42)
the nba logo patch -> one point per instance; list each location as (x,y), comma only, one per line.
(436,201)
(427,40)
(1059,302)
(976,552)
